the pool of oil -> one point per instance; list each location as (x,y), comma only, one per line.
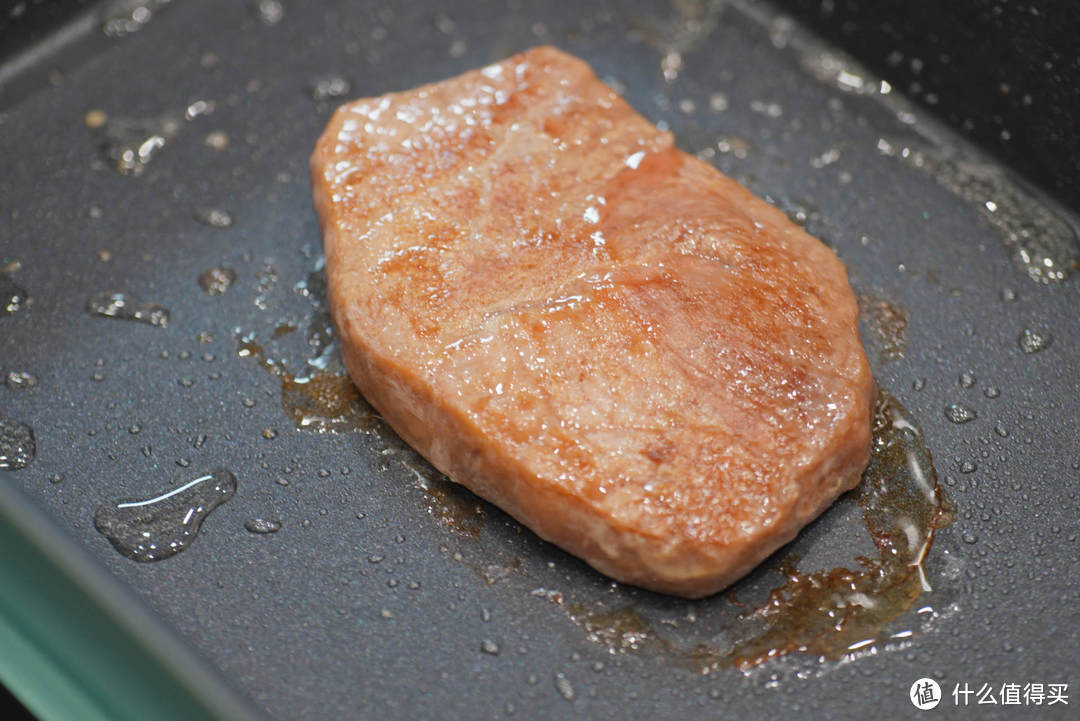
(157,528)
(125,306)
(12,295)
(17,445)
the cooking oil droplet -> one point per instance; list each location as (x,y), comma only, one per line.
(958,413)
(564,687)
(718,102)
(12,295)
(128,307)
(269,12)
(734,145)
(216,139)
(1033,341)
(213,217)
(827,158)
(160,527)
(991,392)
(129,144)
(489,647)
(333,86)
(217,280)
(262,525)
(95,119)
(801,212)
(123,17)
(768,109)
(20,380)
(199,107)
(967,379)
(17,446)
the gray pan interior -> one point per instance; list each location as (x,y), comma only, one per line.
(376,597)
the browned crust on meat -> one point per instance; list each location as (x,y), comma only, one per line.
(633,546)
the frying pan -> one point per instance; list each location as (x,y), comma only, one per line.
(387,593)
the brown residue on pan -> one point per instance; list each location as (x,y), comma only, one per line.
(827,613)
(887,322)
(625,629)
(830,613)
(323,401)
(451,505)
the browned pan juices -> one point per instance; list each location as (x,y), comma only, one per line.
(826,613)
(450,504)
(324,401)
(887,321)
(830,613)
(623,630)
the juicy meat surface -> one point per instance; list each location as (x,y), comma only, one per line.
(609,339)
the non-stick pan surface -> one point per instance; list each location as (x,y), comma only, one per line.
(380,599)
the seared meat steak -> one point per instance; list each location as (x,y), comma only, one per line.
(612,341)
